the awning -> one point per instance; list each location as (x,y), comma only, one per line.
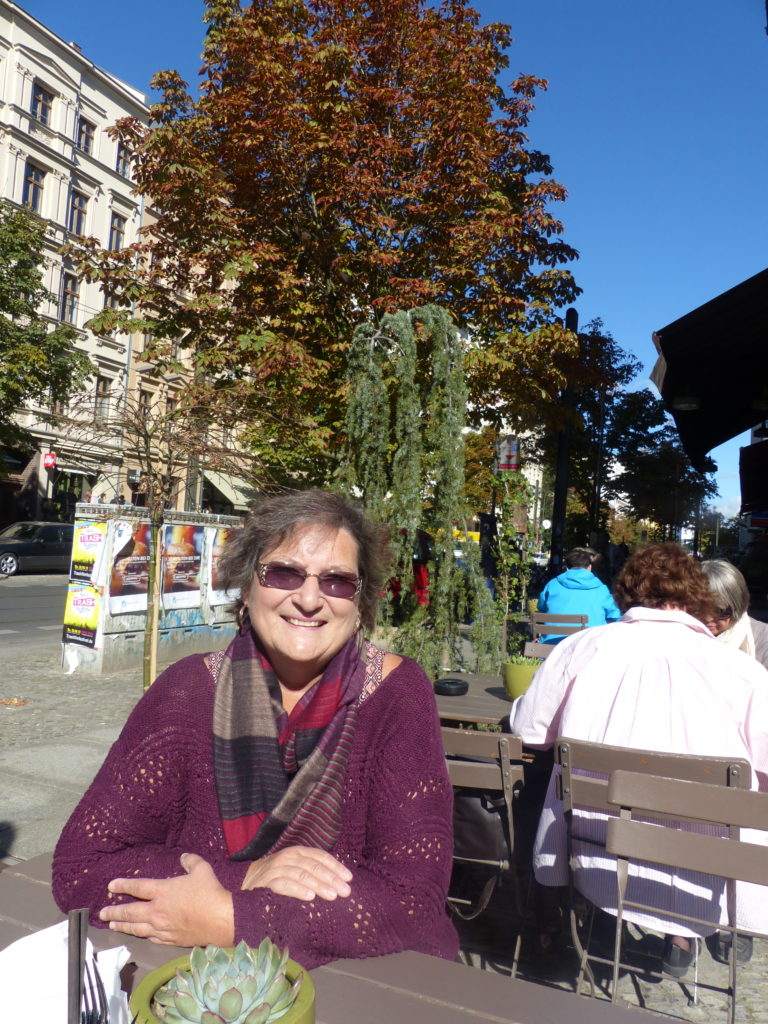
(63,467)
(237,491)
(753,475)
(712,370)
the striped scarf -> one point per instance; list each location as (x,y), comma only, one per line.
(279,778)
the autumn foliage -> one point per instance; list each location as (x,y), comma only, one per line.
(344,160)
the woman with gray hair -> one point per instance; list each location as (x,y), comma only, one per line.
(732,624)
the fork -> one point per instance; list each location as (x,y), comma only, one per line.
(96,1010)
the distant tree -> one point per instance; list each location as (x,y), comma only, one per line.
(719,533)
(598,376)
(343,160)
(37,364)
(656,482)
(480,453)
(624,529)
(625,455)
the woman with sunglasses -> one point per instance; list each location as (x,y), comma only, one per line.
(293,785)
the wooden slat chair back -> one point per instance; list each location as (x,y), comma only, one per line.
(561,625)
(728,857)
(533,649)
(590,792)
(487,766)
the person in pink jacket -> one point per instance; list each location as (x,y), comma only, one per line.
(655,680)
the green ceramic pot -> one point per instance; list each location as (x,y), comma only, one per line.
(302,1011)
(517,678)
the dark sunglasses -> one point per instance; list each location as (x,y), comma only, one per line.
(290,577)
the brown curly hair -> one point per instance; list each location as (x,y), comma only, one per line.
(281,515)
(664,575)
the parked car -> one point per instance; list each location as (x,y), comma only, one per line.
(35,547)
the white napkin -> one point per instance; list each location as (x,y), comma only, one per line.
(33,978)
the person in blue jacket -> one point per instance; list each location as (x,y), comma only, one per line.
(577,591)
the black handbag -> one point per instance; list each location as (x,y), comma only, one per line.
(482,848)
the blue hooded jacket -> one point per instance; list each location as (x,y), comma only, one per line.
(578,592)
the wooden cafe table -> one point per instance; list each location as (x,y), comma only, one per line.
(484,703)
(402,987)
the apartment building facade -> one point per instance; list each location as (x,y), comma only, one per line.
(57,158)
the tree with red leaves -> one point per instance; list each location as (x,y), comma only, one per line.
(343,160)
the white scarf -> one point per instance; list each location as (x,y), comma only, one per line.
(740,635)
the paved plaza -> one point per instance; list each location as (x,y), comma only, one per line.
(56,730)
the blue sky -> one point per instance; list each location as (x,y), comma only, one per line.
(654,119)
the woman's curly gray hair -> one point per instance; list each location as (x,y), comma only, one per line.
(277,517)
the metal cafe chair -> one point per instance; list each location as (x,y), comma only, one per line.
(580,791)
(729,857)
(486,772)
(544,623)
(563,625)
(533,649)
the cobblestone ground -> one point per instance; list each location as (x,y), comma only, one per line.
(56,730)
(41,703)
(489,945)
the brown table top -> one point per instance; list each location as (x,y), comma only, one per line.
(485,702)
(402,987)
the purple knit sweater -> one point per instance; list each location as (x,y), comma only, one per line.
(154,798)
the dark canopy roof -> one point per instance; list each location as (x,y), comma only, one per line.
(715,361)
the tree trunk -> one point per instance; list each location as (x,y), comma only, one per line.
(153,604)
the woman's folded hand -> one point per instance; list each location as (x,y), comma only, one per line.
(302,872)
(193,909)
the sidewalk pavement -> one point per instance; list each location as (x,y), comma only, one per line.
(56,730)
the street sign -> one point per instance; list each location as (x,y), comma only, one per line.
(508,451)
(49,460)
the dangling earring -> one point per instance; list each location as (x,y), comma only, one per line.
(243,618)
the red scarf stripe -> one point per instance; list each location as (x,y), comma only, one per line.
(318,822)
(240,830)
(320,711)
(257,805)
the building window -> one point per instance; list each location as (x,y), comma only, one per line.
(123,163)
(111,301)
(85,135)
(69,289)
(101,409)
(116,231)
(145,402)
(32,194)
(42,103)
(78,205)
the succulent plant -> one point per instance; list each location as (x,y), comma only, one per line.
(244,986)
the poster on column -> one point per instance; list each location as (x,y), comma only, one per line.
(129,576)
(217,539)
(81,615)
(182,555)
(88,542)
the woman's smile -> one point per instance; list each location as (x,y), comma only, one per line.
(302,629)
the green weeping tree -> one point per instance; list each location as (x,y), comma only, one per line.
(39,365)
(404,455)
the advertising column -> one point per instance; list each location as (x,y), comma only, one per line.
(84,593)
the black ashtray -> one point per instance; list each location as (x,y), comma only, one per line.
(451,687)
